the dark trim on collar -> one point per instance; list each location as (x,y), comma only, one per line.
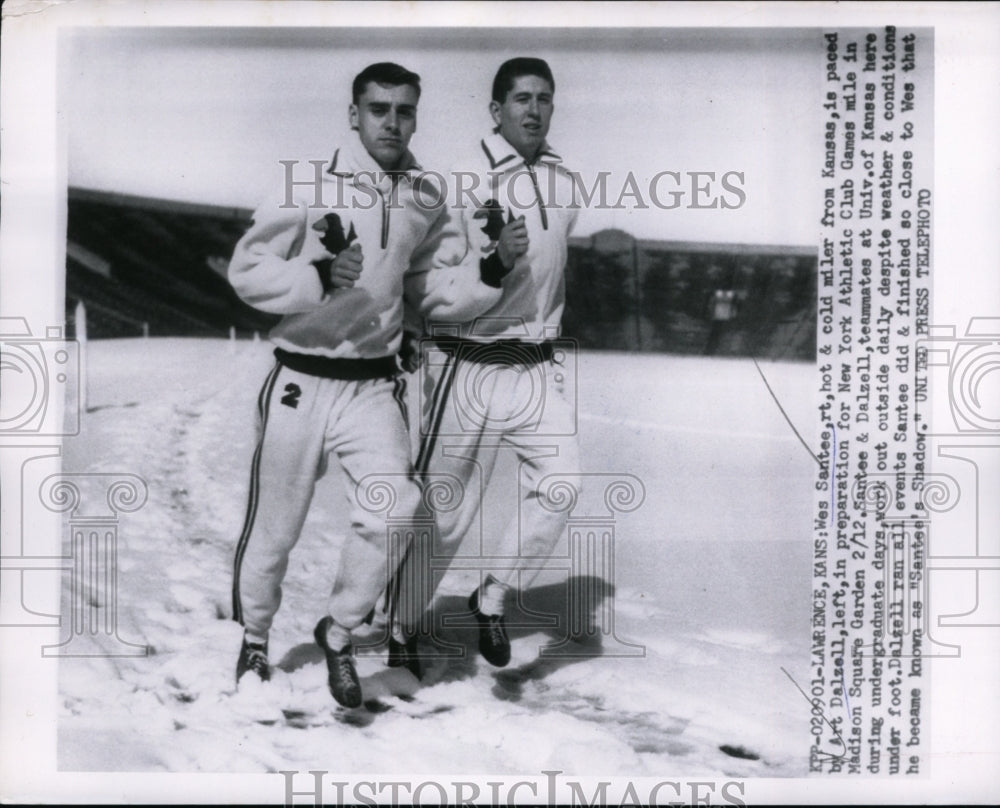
(405,173)
(333,163)
(489,156)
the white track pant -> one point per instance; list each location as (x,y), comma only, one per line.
(471,413)
(303,420)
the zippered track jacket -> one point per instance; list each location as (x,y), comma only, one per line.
(397,218)
(461,286)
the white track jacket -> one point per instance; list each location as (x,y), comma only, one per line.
(494,186)
(396,218)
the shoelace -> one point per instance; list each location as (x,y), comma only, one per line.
(497,635)
(345,671)
(257,662)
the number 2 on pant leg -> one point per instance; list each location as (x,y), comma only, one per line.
(292,394)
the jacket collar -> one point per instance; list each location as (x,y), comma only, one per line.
(503,156)
(354,162)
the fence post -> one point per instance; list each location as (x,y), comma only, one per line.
(80,316)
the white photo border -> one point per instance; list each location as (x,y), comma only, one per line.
(964,705)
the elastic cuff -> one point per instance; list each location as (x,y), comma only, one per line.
(337,636)
(323,269)
(492,270)
(255,639)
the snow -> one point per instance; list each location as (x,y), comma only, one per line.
(710,591)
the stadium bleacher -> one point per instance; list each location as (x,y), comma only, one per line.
(156,266)
(161,256)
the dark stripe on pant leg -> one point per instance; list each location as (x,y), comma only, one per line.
(438,405)
(399,393)
(263,408)
(438,402)
(392,589)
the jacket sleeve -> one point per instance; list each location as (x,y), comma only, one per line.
(573,217)
(445,281)
(268,269)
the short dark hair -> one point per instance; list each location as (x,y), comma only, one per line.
(384,73)
(511,70)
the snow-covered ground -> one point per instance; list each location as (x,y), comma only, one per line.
(710,588)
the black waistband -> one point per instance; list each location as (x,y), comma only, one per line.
(347,369)
(498,352)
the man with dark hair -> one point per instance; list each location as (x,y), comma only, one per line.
(335,271)
(513,69)
(385,73)
(493,303)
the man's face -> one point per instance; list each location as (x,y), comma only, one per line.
(525,114)
(386,118)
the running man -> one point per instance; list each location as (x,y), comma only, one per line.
(498,275)
(336,274)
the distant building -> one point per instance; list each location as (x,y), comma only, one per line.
(691,298)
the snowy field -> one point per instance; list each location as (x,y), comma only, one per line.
(711,585)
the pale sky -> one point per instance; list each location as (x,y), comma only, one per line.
(204,115)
